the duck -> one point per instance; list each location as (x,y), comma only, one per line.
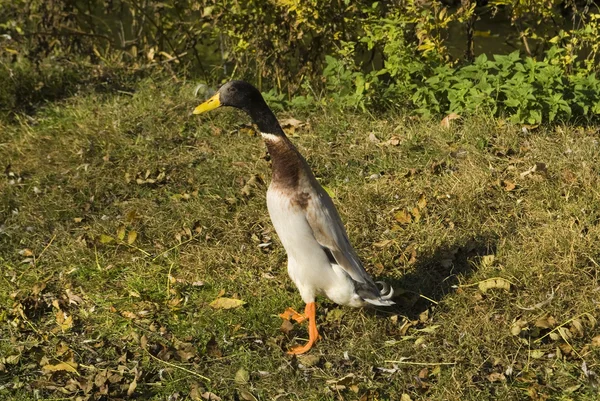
(320,257)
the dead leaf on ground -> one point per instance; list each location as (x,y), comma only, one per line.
(247,396)
(131,387)
(393,141)
(242,376)
(286,326)
(383,243)
(487,260)
(508,185)
(517,327)
(373,138)
(446,120)
(496,377)
(596,341)
(545,322)
(227,303)
(210,396)
(131,237)
(291,122)
(61,367)
(497,282)
(403,217)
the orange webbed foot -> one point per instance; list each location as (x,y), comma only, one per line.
(313,334)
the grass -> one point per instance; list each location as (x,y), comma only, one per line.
(496,264)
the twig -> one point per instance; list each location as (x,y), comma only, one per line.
(169,280)
(174,247)
(44,250)
(429,299)
(422,363)
(561,325)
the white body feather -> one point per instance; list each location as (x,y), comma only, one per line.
(308,265)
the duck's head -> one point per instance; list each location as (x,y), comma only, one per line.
(238,94)
(243,96)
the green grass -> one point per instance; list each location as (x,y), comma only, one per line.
(85,171)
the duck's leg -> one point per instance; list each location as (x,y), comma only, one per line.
(313,334)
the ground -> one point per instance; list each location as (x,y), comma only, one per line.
(138,259)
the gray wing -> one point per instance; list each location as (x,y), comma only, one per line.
(329,232)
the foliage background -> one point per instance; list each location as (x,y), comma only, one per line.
(411,55)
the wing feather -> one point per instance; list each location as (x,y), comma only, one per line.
(329,232)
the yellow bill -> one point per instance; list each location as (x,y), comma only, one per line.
(210,104)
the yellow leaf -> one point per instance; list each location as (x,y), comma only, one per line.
(329,191)
(509,185)
(227,303)
(63,320)
(105,239)
(61,367)
(416,214)
(403,217)
(487,260)
(132,387)
(422,203)
(494,283)
(131,237)
(121,233)
(383,243)
(446,120)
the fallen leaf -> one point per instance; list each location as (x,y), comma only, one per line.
(210,396)
(247,396)
(131,387)
(286,326)
(508,185)
(446,120)
(596,341)
(517,327)
(26,252)
(403,217)
(121,233)
(290,122)
(405,397)
(416,214)
(242,376)
(496,377)
(422,203)
(105,239)
(498,282)
(309,360)
(393,141)
(63,320)
(343,381)
(227,303)
(131,237)
(487,260)
(545,322)
(373,138)
(61,367)
(383,243)
(537,353)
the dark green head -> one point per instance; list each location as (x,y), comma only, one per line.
(243,96)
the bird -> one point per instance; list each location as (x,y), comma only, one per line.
(321,260)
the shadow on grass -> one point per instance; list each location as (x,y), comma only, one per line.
(435,276)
